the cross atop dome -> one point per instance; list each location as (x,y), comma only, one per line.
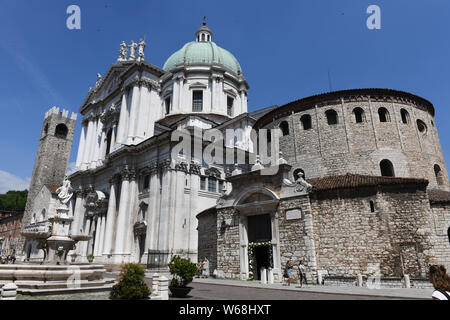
(203,33)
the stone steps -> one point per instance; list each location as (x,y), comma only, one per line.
(56,291)
(25,285)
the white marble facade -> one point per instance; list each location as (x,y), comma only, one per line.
(130,195)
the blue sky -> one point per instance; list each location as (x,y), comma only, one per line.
(286,50)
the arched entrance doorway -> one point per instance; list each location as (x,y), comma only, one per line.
(257,209)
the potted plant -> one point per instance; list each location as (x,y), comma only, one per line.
(131,285)
(90,257)
(73,256)
(183,271)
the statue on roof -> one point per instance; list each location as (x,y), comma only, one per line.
(99,79)
(141,55)
(132,47)
(123,52)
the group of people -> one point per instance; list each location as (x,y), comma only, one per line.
(203,268)
(301,273)
(9,259)
(437,275)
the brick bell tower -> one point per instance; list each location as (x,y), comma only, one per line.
(52,158)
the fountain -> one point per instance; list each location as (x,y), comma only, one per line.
(54,274)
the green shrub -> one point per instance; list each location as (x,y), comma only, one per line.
(131,285)
(183,271)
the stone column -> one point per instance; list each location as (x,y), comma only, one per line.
(110,219)
(129,238)
(98,144)
(91,233)
(122,128)
(180,221)
(98,228)
(124,204)
(194,170)
(153,213)
(102,235)
(94,143)
(163,240)
(87,146)
(103,142)
(143,113)
(176,88)
(243,104)
(81,145)
(78,212)
(133,114)
(113,139)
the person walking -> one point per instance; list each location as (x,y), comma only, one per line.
(287,272)
(302,273)
(440,281)
(206,267)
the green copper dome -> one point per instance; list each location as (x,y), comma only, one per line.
(203,52)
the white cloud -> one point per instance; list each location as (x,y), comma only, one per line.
(9,182)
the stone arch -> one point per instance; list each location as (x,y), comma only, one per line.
(61,131)
(264,193)
(405,116)
(387,168)
(359,115)
(306,121)
(332,117)
(284,127)
(384,115)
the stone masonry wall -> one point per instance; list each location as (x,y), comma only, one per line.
(207,238)
(441,228)
(295,236)
(350,239)
(351,147)
(228,261)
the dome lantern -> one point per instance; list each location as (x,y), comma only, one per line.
(203,33)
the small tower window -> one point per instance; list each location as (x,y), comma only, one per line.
(46,129)
(439,175)
(372,206)
(167,105)
(359,115)
(386,168)
(284,126)
(332,117)
(405,116)
(197,100)
(230,102)
(203,37)
(306,121)
(383,114)
(421,126)
(61,131)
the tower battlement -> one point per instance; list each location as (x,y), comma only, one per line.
(64,113)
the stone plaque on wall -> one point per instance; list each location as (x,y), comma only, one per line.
(293,214)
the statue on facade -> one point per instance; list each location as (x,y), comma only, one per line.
(123,52)
(65,192)
(141,55)
(300,184)
(132,47)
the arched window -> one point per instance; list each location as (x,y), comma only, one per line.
(297,173)
(421,126)
(439,175)
(383,114)
(42,218)
(306,121)
(61,131)
(405,116)
(448,234)
(387,169)
(332,117)
(46,128)
(372,206)
(108,141)
(359,115)
(284,126)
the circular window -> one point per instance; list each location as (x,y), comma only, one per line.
(421,126)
